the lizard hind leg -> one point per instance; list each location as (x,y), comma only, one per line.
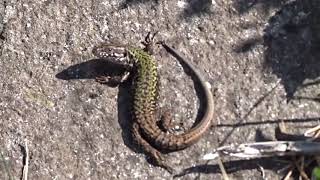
(155,155)
(167,124)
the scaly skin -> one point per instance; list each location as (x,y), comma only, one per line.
(145,96)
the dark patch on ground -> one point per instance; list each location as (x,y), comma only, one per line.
(2,24)
(292,54)
(128,3)
(244,6)
(197,8)
(248,44)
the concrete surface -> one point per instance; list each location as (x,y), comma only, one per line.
(260,57)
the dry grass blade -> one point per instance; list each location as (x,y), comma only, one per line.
(300,167)
(223,170)
(267,149)
(288,175)
(26,164)
(313,131)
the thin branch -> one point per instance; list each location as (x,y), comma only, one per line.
(26,165)
(267,149)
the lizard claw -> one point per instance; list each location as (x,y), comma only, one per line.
(150,38)
(149,42)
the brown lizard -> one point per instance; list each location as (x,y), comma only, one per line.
(145,129)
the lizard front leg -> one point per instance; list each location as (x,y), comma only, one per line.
(118,79)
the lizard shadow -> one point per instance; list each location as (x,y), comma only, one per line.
(90,70)
(99,67)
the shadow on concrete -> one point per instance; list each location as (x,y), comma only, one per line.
(197,8)
(91,69)
(99,67)
(243,6)
(235,166)
(248,44)
(240,119)
(130,3)
(292,40)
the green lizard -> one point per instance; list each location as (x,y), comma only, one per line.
(145,130)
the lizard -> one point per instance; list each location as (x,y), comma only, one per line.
(145,130)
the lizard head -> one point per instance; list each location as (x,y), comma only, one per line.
(113,53)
